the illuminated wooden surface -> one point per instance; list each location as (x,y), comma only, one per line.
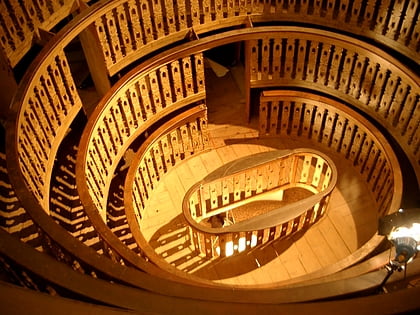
(347,225)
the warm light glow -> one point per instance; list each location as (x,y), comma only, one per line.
(413,232)
(241,244)
(229,248)
(253,240)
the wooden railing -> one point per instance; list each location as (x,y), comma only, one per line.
(50,104)
(334,126)
(356,73)
(259,177)
(139,102)
(127,29)
(37,272)
(175,141)
(21,22)
(47,100)
(182,137)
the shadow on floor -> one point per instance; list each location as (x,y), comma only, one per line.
(172,243)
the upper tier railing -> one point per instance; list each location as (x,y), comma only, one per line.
(129,27)
(22,21)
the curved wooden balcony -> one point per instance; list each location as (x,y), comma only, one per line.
(47,102)
(213,205)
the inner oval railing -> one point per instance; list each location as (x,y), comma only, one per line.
(260,177)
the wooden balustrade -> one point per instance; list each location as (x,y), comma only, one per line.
(134,28)
(46,108)
(394,23)
(385,90)
(173,142)
(306,116)
(50,104)
(128,27)
(20,22)
(47,101)
(260,177)
(139,103)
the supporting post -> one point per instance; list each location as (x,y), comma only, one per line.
(96,62)
(8,86)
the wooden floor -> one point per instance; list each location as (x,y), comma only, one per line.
(349,223)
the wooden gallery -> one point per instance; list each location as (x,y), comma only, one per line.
(209,156)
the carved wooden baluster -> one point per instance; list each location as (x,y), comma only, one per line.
(125,29)
(370,162)
(150,165)
(176,84)
(145,101)
(296,112)
(157,153)
(365,148)
(395,20)
(188,79)
(138,198)
(254,73)
(136,112)
(326,54)
(380,78)
(166,85)
(338,134)
(290,50)
(299,67)
(146,22)
(264,110)
(265,58)
(358,139)
(328,128)
(318,122)
(391,89)
(307,120)
(101,30)
(311,64)
(283,124)
(155,88)
(409,35)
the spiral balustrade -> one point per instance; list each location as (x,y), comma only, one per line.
(166,39)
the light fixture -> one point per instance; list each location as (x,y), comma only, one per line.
(402,229)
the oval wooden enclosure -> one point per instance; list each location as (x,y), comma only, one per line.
(212,207)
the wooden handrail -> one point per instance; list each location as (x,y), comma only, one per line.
(276,216)
(285,220)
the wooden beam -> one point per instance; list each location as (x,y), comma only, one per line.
(94,56)
(8,86)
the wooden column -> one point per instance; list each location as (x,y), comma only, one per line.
(96,62)
(8,85)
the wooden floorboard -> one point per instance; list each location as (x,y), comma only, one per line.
(350,220)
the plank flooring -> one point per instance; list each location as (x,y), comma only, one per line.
(348,224)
